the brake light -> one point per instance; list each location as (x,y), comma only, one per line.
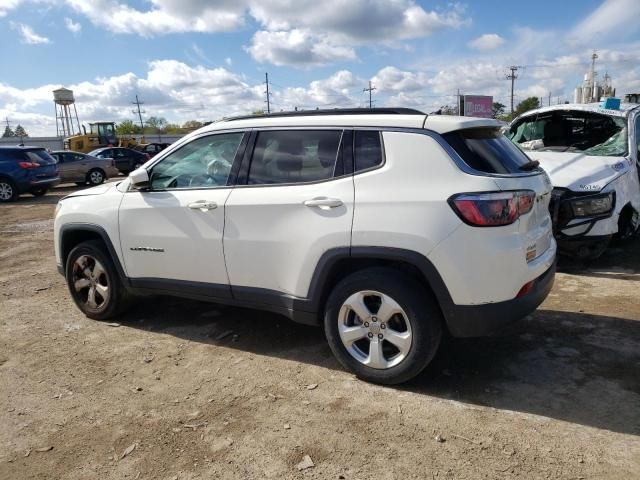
(526,288)
(27,165)
(492,209)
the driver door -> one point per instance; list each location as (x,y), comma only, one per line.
(171,234)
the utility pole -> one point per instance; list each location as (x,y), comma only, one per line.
(512,76)
(268,101)
(139,112)
(370,89)
(549,99)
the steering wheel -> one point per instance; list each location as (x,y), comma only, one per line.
(217,168)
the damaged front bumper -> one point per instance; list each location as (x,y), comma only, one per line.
(580,236)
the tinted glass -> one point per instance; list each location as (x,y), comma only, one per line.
(294,156)
(368,149)
(39,156)
(203,163)
(6,154)
(487,150)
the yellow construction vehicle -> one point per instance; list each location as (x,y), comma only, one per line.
(101,134)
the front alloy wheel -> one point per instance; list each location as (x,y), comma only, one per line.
(94,282)
(91,283)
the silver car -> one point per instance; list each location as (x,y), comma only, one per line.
(82,168)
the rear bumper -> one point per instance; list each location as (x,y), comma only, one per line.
(480,320)
(26,186)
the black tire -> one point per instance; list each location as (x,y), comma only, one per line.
(117,299)
(96,176)
(8,190)
(421,310)
(39,192)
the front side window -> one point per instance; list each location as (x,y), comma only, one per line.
(202,163)
(294,156)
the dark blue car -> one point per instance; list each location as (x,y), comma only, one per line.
(26,170)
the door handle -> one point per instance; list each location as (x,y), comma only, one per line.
(323,203)
(203,205)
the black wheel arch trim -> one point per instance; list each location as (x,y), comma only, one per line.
(71,228)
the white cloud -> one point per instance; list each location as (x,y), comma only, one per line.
(27,34)
(297,47)
(73,27)
(228,61)
(170,89)
(488,41)
(357,20)
(165,16)
(395,80)
(619,17)
(8,5)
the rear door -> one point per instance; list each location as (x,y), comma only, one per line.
(293,203)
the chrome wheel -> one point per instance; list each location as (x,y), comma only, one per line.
(91,284)
(6,191)
(96,177)
(375,329)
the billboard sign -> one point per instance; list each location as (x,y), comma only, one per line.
(477,106)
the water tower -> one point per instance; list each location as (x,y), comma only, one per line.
(63,101)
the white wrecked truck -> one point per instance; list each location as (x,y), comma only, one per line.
(592,156)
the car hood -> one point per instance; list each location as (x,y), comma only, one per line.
(97,190)
(579,172)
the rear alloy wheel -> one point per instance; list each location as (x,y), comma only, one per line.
(95,177)
(8,192)
(94,282)
(383,325)
(39,192)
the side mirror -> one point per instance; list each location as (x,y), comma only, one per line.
(139,178)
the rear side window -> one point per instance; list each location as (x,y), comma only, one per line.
(487,150)
(294,156)
(39,156)
(367,149)
(13,155)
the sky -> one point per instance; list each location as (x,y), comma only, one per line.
(206,59)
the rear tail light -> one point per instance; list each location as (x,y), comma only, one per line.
(27,165)
(492,209)
(526,288)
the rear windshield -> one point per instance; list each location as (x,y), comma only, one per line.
(39,156)
(487,150)
(591,133)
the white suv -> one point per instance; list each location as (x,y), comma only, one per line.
(387,225)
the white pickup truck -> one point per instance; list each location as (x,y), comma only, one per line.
(592,156)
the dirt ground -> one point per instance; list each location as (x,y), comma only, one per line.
(159,395)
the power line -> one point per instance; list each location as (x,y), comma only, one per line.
(137,103)
(370,89)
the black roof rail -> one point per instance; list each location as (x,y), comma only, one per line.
(332,111)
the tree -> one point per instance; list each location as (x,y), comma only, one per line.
(21,132)
(172,128)
(448,110)
(192,124)
(526,105)
(127,127)
(497,109)
(156,124)
(8,132)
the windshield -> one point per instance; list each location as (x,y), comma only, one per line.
(591,133)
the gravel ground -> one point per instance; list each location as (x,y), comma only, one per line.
(164,394)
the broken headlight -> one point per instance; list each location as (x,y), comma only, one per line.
(593,205)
